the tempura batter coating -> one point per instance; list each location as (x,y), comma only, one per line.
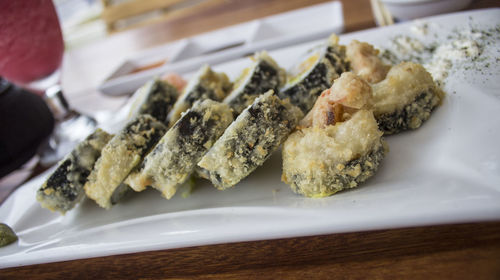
(174,158)
(249,141)
(319,162)
(155,98)
(405,98)
(206,84)
(64,188)
(120,155)
(314,74)
(364,61)
(347,95)
(338,144)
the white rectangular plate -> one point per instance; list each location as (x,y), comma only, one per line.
(447,171)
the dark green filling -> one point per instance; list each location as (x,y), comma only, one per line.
(337,59)
(305,92)
(201,92)
(269,115)
(142,126)
(341,180)
(64,186)
(264,78)
(256,117)
(409,117)
(194,132)
(60,183)
(160,101)
(192,124)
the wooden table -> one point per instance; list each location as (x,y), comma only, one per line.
(465,251)
(469,251)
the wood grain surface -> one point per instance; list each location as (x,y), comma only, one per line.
(465,251)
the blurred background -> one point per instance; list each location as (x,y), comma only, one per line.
(81,21)
(85,21)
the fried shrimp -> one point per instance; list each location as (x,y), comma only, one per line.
(348,94)
(338,144)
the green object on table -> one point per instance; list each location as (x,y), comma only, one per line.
(7,235)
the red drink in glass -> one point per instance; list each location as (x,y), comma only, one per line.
(31,52)
(31,44)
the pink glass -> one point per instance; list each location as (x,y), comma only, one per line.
(31,43)
(31,52)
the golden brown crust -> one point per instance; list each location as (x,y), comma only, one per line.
(249,141)
(174,158)
(318,162)
(348,94)
(406,98)
(120,155)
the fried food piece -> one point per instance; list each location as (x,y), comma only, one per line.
(405,98)
(174,158)
(264,74)
(64,187)
(249,141)
(120,155)
(206,84)
(338,144)
(155,98)
(348,94)
(315,73)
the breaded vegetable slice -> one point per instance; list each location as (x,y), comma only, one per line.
(155,98)
(405,98)
(314,73)
(257,132)
(174,158)
(120,155)
(64,188)
(206,84)
(264,74)
(338,144)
